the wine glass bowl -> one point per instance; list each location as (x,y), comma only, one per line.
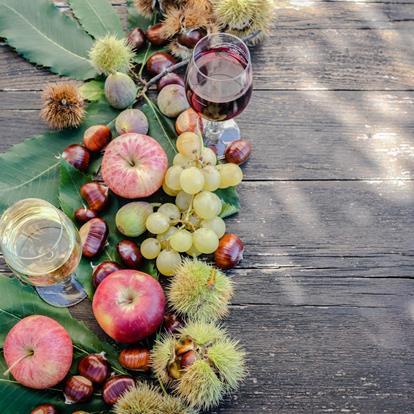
(219,85)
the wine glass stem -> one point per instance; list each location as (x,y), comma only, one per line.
(212,132)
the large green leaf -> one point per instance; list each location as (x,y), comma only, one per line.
(47,37)
(230,200)
(31,168)
(18,301)
(97,17)
(93,90)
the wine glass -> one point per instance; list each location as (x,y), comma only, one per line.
(42,247)
(219,85)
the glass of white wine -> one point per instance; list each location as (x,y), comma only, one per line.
(42,247)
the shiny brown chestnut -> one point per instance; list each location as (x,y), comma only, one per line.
(77,155)
(170,79)
(103,270)
(115,386)
(96,137)
(155,36)
(229,252)
(136,359)
(185,345)
(45,409)
(238,152)
(95,194)
(190,37)
(94,367)
(82,215)
(93,236)
(129,253)
(188,359)
(158,62)
(136,38)
(77,389)
(172,323)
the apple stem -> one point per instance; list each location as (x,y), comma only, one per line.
(7,372)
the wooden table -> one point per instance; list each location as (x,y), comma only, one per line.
(324,301)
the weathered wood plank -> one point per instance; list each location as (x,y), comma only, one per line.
(297,135)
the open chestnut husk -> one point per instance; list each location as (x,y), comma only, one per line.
(95,194)
(129,253)
(77,389)
(238,152)
(136,359)
(103,270)
(96,137)
(170,79)
(158,62)
(229,252)
(77,155)
(93,236)
(82,215)
(155,36)
(115,387)
(172,323)
(136,38)
(45,409)
(94,367)
(190,37)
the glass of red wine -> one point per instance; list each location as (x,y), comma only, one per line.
(219,85)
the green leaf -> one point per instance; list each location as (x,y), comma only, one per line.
(47,37)
(230,200)
(70,181)
(97,17)
(31,168)
(93,90)
(18,301)
(161,128)
(150,268)
(137,20)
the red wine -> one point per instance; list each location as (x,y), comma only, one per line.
(218,86)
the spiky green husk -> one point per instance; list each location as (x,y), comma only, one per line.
(200,291)
(163,353)
(110,55)
(244,17)
(172,405)
(203,333)
(142,399)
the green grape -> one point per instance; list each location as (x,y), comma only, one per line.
(172,178)
(191,180)
(181,241)
(189,145)
(150,248)
(167,262)
(194,221)
(230,175)
(205,240)
(216,224)
(193,252)
(212,178)
(207,205)
(168,190)
(157,223)
(171,211)
(208,156)
(164,237)
(180,159)
(183,200)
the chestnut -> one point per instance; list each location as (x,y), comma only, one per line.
(103,270)
(158,62)
(96,137)
(77,389)
(45,409)
(170,79)
(77,155)
(188,359)
(82,215)
(129,253)
(238,152)
(172,323)
(136,359)
(174,370)
(94,367)
(115,386)
(190,37)
(95,194)
(184,345)
(136,38)
(229,252)
(155,36)
(93,236)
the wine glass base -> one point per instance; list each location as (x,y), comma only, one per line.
(63,295)
(218,136)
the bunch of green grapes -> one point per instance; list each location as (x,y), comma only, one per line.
(192,225)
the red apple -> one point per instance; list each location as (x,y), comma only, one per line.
(134,165)
(38,352)
(129,305)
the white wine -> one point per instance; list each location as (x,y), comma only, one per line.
(39,243)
